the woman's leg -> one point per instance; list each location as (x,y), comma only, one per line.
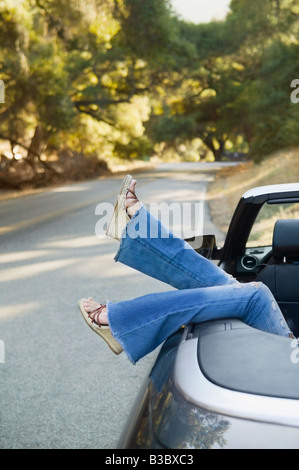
(142,324)
(205,291)
(150,248)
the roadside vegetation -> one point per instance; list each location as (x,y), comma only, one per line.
(231,183)
(91,82)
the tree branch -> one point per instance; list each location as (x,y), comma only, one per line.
(94,115)
(102,102)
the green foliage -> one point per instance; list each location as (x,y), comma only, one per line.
(146,26)
(141,148)
(240,90)
(116,77)
(278,124)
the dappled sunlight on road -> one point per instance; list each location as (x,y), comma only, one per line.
(103,265)
(30,270)
(50,257)
(22,256)
(36,276)
(176,195)
(17,310)
(80,242)
(71,188)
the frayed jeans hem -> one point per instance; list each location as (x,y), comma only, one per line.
(119,340)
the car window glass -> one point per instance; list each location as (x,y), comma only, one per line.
(262,230)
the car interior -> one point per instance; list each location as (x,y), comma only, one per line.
(282,275)
(271,255)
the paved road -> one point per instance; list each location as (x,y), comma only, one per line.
(61,387)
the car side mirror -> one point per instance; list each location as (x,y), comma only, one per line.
(205,245)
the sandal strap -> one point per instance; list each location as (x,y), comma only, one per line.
(133,197)
(97,315)
(132,192)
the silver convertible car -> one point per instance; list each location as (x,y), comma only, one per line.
(223,384)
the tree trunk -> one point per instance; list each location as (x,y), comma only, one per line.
(217,152)
(277,3)
(36,145)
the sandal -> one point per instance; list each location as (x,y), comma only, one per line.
(102,330)
(119,217)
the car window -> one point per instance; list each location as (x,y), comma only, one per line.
(262,230)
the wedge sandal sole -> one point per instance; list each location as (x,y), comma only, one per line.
(103,331)
(119,217)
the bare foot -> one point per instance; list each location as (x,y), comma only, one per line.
(132,203)
(97,312)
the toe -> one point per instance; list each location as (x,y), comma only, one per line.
(89,305)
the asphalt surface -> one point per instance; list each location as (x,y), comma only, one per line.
(61,386)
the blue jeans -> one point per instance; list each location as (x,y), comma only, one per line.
(204,291)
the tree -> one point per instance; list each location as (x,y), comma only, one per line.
(115,77)
(239,88)
(267,34)
(205,102)
(59,64)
